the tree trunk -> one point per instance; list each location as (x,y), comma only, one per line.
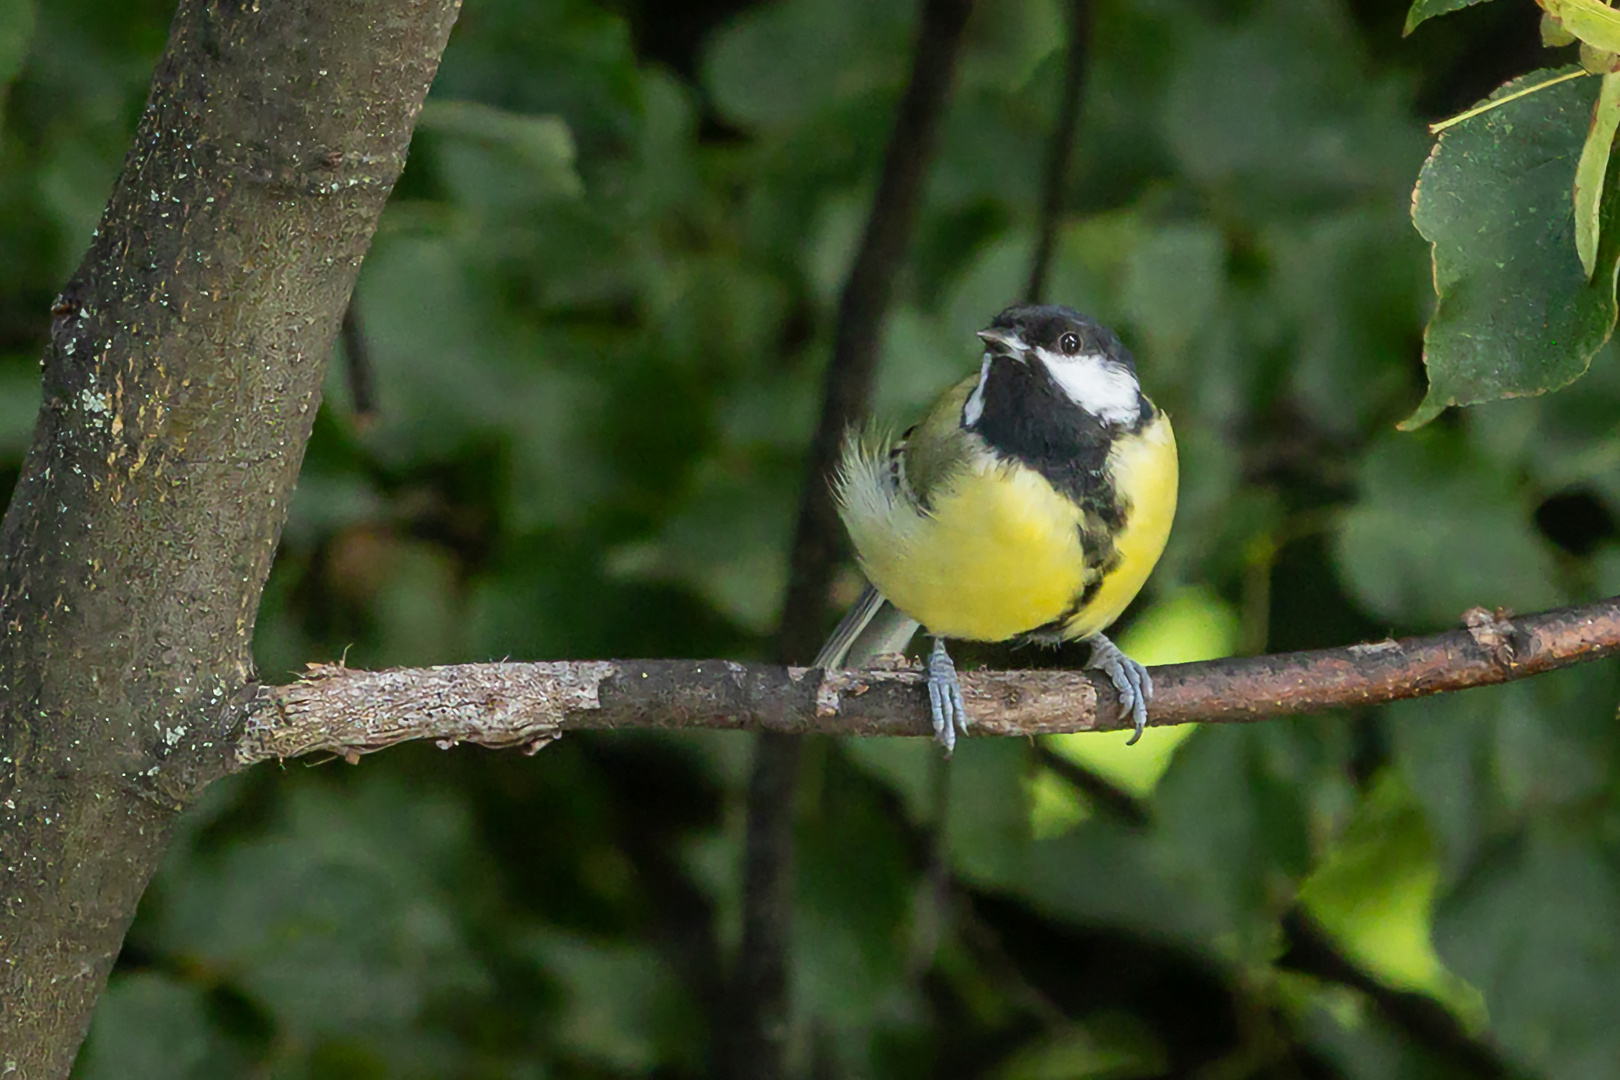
(182,377)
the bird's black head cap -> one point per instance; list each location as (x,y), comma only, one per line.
(1043,326)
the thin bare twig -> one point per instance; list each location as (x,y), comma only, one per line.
(862,308)
(1060,151)
(343,711)
(357,361)
(757,1029)
(758,1014)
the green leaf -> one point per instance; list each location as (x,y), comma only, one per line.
(1485,765)
(1239,862)
(1275,111)
(1190,624)
(1103,874)
(1105,1047)
(780,63)
(1536,927)
(1173,283)
(342,919)
(1360,1044)
(906,765)
(541,145)
(1007,40)
(1563,441)
(1516,313)
(1437,531)
(1593,167)
(988,823)
(1351,286)
(623,1008)
(1553,33)
(1374,893)
(1428,9)
(151,1026)
(1593,22)
(854,894)
(728,542)
(16,32)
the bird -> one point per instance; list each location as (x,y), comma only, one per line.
(1028,505)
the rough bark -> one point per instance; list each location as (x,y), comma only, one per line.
(181,380)
(347,712)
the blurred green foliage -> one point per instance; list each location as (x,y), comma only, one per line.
(599,308)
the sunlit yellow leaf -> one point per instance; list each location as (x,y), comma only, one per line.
(1374,894)
(1193,624)
(1553,34)
(1592,21)
(1593,166)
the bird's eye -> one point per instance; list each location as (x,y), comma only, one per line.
(1069,343)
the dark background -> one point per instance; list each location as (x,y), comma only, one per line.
(597,315)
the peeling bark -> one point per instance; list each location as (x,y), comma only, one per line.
(346,712)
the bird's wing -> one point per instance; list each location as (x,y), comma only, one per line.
(935,449)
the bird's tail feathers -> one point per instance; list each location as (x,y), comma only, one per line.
(872,627)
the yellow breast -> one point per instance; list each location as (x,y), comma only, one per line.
(999,553)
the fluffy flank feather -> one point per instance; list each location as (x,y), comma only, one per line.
(873,498)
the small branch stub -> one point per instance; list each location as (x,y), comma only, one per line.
(1492,632)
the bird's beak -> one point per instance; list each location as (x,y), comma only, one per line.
(999,343)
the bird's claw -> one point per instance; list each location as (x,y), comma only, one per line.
(1131,679)
(945,698)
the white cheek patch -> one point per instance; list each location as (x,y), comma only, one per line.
(974,409)
(1097,384)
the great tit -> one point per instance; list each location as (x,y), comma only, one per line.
(1029,504)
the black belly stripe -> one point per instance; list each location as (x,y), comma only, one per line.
(1028,419)
(1105,558)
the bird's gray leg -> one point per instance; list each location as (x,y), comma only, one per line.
(1131,679)
(945,698)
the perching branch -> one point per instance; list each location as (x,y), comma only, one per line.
(345,712)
